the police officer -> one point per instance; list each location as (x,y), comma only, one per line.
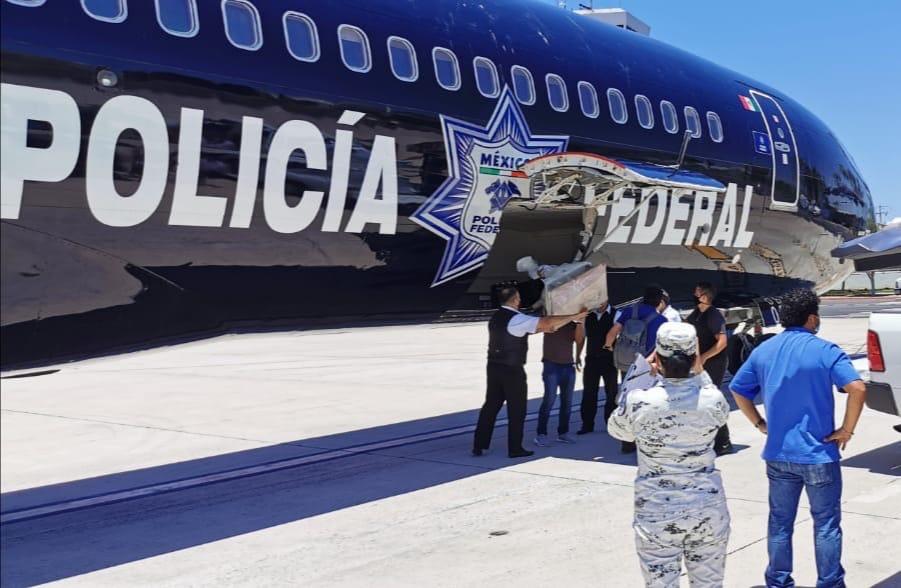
(598,365)
(711,328)
(508,346)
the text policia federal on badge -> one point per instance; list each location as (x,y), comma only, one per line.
(21,104)
(687,219)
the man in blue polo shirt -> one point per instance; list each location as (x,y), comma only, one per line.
(648,313)
(796,371)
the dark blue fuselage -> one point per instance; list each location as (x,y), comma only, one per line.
(79,279)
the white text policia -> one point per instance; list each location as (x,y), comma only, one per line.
(20,162)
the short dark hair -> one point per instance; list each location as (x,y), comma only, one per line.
(652,295)
(504,292)
(708,288)
(796,306)
(678,365)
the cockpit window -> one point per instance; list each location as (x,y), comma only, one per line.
(486,77)
(177,17)
(447,68)
(692,122)
(355,51)
(617,103)
(669,116)
(242,24)
(403,59)
(106,10)
(715,127)
(523,84)
(301,36)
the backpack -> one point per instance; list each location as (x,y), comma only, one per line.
(632,339)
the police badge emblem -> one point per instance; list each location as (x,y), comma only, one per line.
(483,165)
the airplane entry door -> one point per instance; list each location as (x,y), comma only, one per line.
(786,164)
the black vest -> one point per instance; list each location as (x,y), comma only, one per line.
(596,330)
(504,348)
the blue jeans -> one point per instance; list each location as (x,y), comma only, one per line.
(557,375)
(823,482)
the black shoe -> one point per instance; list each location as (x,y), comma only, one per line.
(521,453)
(584,431)
(627,447)
(724,449)
(476,451)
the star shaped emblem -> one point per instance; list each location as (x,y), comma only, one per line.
(482,163)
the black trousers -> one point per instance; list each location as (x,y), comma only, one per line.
(716,369)
(595,369)
(505,384)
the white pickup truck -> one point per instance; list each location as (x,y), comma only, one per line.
(884,357)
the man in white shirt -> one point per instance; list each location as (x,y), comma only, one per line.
(508,346)
(669,313)
(680,505)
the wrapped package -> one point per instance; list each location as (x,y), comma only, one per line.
(586,290)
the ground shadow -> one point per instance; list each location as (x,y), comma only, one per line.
(59,546)
(894,581)
(882,460)
(47,548)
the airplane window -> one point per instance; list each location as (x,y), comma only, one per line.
(588,98)
(692,121)
(177,17)
(28,3)
(523,84)
(447,69)
(486,77)
(301,36)
(403,59)
(354,49)
(645,111)
(106,10)
(670,119)
(617,103)
(556,93)
(242,24)
(715,126)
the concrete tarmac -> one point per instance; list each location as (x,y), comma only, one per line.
(341,458)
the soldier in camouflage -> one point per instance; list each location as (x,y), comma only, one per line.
(680,505)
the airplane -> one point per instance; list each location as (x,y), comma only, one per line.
(178,169)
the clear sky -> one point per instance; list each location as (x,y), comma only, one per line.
(841,60)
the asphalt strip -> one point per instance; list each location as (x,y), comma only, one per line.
(65,506)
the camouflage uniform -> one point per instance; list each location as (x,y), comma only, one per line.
(680,506)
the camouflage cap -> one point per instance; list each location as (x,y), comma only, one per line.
(676,337)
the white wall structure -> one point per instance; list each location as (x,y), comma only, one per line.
(618,18)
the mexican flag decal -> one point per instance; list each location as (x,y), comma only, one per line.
(748,103)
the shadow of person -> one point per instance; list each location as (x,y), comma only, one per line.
(882,460)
